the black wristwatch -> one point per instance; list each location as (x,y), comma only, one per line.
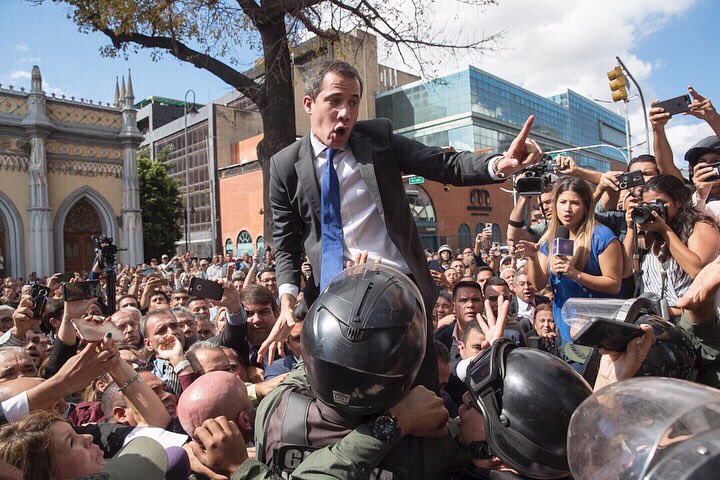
(386,428)
(478,450)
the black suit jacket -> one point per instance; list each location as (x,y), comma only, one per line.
(383,157)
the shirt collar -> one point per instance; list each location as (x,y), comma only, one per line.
(318,147)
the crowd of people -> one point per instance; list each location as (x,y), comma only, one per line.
(179,385)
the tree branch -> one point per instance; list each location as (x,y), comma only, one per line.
(244,84)
(330,35)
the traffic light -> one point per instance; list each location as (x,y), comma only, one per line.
(617,84)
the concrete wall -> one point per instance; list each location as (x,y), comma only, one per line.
(15,186)
(231,126)
(60,186)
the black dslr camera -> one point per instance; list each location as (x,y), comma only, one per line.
(536,176)
(643,212)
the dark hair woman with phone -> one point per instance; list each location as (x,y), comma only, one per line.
(594,270)
(679,240)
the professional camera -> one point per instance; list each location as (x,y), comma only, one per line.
(643,212)
(536,176)
(104,245)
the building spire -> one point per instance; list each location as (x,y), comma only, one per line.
(129,94)
(122,90)
(36,80)
(117,92)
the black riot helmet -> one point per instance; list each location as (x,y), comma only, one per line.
(364,339)
(527,397)
(671,355)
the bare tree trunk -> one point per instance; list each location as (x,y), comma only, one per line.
(277,110)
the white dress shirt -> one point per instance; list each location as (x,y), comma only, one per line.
(363,227)
(525,310)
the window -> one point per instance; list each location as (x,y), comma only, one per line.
(464,236)
(244,243)
(420,202)
(228,247)
(260,244)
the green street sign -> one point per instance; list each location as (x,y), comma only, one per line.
(417,179)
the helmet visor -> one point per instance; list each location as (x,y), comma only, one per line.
(632,423)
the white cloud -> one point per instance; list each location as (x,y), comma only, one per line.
(19,75)
(21,78)
(682,137)
(21,47)
(552,45)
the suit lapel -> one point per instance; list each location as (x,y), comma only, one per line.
(362,150)
(305,168)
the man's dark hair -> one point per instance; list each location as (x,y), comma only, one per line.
(471,327)
(495,282)
(257,295)
(195,299)
(484,268)
(446,296)
(160,292)
(123,297)
(315,77)
(645,158)
(441,351)
(265,269)
(465,284)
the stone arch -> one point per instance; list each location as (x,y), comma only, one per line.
(108,221)
(11,220)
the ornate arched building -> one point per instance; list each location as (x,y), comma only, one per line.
(67,171)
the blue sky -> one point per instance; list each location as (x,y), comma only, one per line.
(548,46)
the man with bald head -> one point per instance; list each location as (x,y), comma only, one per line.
(217,394)
(15,363)
(128,322)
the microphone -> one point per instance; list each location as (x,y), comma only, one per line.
(178,464)
(563,246)
(562,232)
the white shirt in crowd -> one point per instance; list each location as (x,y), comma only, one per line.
(524,310)
(711,208)
(215,272)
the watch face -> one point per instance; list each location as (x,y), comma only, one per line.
(385,427)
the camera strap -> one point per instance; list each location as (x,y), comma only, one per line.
(664,265)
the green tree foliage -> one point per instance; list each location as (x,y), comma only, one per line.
(161,205)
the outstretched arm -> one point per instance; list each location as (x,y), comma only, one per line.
(661,146)
(466,168)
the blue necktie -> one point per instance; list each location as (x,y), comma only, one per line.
(331,223)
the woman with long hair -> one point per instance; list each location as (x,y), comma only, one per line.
(678,244)
(595,267)
(44,446)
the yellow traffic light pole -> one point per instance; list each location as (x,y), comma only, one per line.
(619,88)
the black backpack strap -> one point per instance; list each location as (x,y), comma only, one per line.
(295,425)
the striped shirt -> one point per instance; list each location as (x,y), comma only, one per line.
(676,283)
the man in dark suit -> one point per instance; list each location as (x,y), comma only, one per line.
(333,214)
(524,301)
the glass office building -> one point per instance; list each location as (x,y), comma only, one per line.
(472,110)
